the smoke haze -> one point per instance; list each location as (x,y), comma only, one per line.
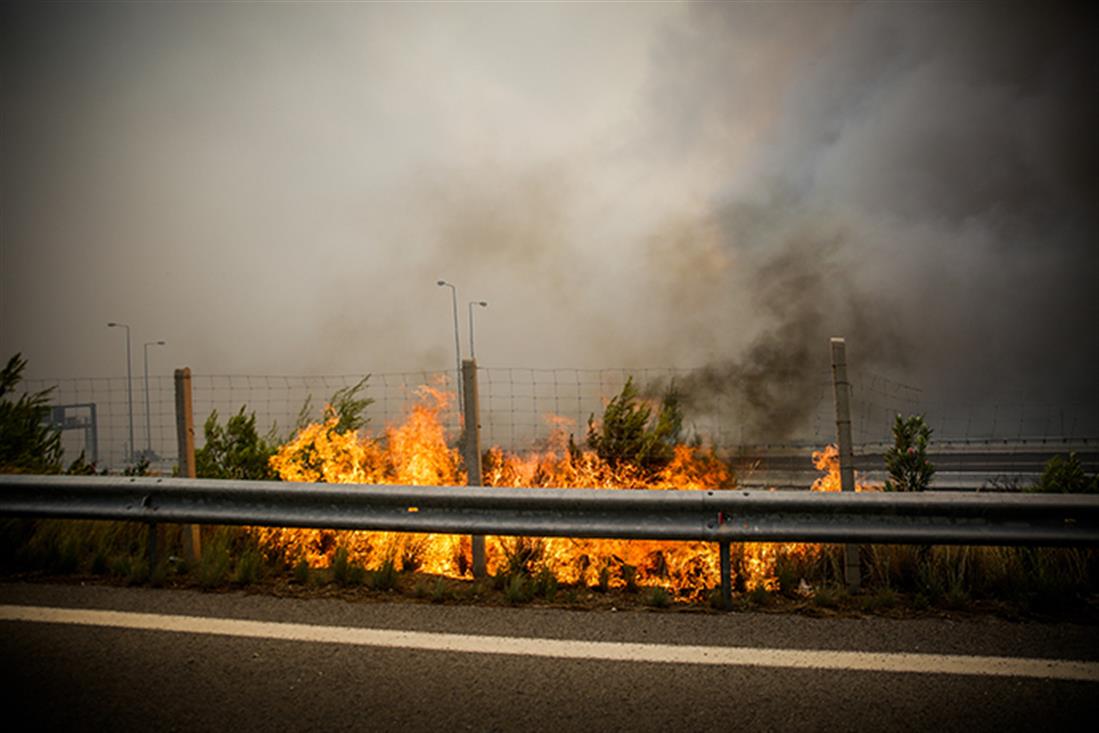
(276,188)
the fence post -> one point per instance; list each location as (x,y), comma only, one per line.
(185,434)
(471,448)
(842,391)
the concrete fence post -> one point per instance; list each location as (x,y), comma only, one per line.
(471,450)
(185,434)
(842,390)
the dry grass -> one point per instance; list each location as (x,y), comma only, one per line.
(1013,582)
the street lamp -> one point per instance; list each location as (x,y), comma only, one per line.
(129,383)
(457,338)
(483,304)
(148,419)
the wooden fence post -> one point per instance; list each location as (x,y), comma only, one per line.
(842,391)
(185,433)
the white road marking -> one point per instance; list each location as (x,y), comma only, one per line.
(954,664)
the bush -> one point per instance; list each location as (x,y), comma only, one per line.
(236,451)
(545,583)
(345,572)
(301,572)
(1065,475)
(909,469)
(658,597)
(630,434)
(249,567)
(519,589)
(28,443)
(385,577)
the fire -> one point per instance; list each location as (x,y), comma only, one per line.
(828,460)
(416,453)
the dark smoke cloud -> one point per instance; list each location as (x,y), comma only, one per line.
(925,187)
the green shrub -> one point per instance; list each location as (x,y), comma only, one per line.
(385,577)
(29,443)
(348,407)
(249,567)
(658,597)
(545,583)
(301,572)
(907,463)
(519,589)
(1065,475)
(345,572)
(236,451)
(630,434)
(521,555)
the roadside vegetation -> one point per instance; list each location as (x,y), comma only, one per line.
(898,580)
(907,462)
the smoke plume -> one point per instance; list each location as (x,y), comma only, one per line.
(276,188)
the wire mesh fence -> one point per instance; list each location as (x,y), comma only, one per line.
(520,409)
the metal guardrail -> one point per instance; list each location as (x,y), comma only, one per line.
(710,516)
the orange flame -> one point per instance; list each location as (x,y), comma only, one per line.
(416,453)
(828,460)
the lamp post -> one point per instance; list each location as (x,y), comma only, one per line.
(457,338)
(129,383)
(483,304)
(148,418)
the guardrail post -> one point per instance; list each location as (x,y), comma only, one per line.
(726,576)
(185,434)
(472,452)
(842,391)
(151,548)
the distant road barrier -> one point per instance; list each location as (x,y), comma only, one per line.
(721,516)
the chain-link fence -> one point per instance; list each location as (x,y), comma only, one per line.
(520,408)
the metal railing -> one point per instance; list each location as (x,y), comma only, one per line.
(709,516)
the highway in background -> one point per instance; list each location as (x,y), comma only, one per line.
(972,466)
(237,662)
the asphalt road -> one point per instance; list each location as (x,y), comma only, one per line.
(94,677)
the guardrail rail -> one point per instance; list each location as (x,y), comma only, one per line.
(722,516)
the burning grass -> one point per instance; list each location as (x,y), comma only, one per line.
(416,453)
(562,571)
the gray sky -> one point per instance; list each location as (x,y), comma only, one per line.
(275,188)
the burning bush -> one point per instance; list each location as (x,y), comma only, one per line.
(630,448)
(629,433)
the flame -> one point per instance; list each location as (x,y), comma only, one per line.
(828,460)
(415,452)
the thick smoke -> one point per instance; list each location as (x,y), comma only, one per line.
(925,187)
(720,184)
